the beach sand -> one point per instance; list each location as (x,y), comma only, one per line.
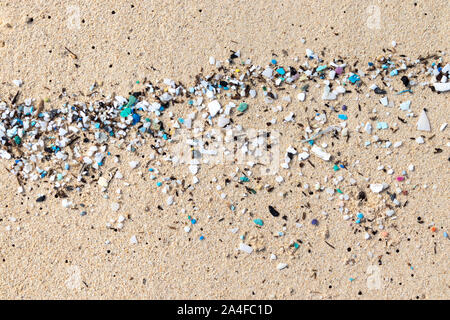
(58,254)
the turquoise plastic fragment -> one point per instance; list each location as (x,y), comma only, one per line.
(242,107)
(259,222)
(125,112)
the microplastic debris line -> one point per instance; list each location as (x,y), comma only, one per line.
(45,143)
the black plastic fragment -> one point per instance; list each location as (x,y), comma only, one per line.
(273,211)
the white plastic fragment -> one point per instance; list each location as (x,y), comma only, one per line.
(268,73)
(193,169)
(289,117)
(423,124)
(310,53)
(321,153)
(332,74)
(398,144)
(446,68)
(18,83)
(133,164)
(442,87)
(282,266)
(378,187)
(420,140)
(390,213)
(222,122)
(103,182)
(303,156)
(291,150)
(66,203)
(213,107)
(5,155)
(245,248)
(322,132)
(405,106)
(327,94)
(301,96)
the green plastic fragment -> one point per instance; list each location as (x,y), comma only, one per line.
(339,190)
(17,140)
(242,107)
(244,179)
(131,101)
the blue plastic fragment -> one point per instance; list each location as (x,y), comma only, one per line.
(136,118)
(281,71)
(354,78)
(394,72)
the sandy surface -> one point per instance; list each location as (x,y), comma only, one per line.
(174,39)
